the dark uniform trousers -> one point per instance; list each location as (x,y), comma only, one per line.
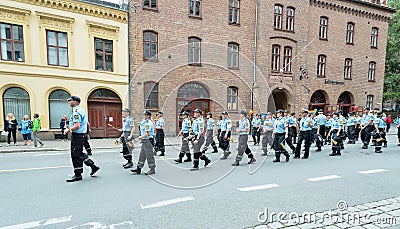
(293,131)
(337,142)
(210,141)
(255,133)
(185,146)
(306,137)
(77,155)
(357,134)
(224,142)
(126,151)
(243,148)
(381,138)
(159,145)
(327,137)
(86,144)
(197,154)
(278,139)
(146,153)
(352,133)
(289,139)
(313,133)
(322,132)
(366,134)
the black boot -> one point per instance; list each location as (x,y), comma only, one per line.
(162,154)
(150,172)
(74,178)
(215,149)
(128,165)
(365,146)
(136,171)
(188,158)
(287,156)
(319,149)
(251,161)
(179,160)
(276,160)
(195,165)
(236,163)
(94,169)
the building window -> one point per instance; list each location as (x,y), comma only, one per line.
(234,6)
(194,50)
(278,17)
(16,101)
(350,33)
(195,8)
(58,107)
(150,45)
(321,67)
(57,48)
(323,28)
(370,101)
(374,37)
(11,42)
(347,68)
(104,54)
(290,19)
(371,71)
(287,59)
(232,98)
(275,60)
(233,55)
(151,4)
(151,95)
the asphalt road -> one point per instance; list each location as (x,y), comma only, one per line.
(34,192)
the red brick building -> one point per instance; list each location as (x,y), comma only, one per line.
(307,54)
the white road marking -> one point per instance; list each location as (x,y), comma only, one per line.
(48,154)
(259,187)
(33,169)
(167,202)
(372,171)
(324,178)
(40,223)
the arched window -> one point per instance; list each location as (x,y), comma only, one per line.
(234,9)
(323,28)
(278,17)
(58,107)
(275,58)
(287,59)
(194,50)
(151,95)
(290,19)
(371,71)
(347,68)
(350,33)
(374,37)
(16,100)
(321,67)
(233,55)
(232,98)
(150,45)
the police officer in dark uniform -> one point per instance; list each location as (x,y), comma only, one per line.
(367,122)
(225,135)
(243,129)
(380,126)
(336,131)
(351,128)
(146,151)
(160,124)
(280,134)
(289,122)
(198,141)
(255,132)
(128,130)
(78,127)
(305,125)
(186,125)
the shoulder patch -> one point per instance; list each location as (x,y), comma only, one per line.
(147,127)
(131,123)
(76,116)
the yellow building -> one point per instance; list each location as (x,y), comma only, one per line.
(51,49)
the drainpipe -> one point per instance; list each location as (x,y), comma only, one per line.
(255,59)
(129,56)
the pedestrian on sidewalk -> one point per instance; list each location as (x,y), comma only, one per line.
(78,128)
(26,130)
(36,126)
(64,125)
(10,125)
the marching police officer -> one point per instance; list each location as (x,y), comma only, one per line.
(146,151)
(78,127)
(289,122)
(160,124)
(128,130)
(186,125)
(210,134)
(336,131)
(358,127)
(198,141)
(328,123)
(367,121)
(315,131)
(322,125)
(380,126)
(243,130)
(268,129)
(293,127)
(306,124)
(280,134)
(351,128)
(256,123)
(225,135)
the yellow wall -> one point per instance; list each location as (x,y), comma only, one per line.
(82,22)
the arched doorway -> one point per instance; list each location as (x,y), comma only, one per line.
(104,107)
(278,100)
(58,107)
(318,101)
(16,100)
(190,97)
(345,101)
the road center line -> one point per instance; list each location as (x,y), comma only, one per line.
(39,223)
(259,187)
(167,202)
(47,154)
(372,171)
(324,178)
(33,169)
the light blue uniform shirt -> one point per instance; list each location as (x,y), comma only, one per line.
(146,125)
(321,119)
(336,123)
(381,123)
(79,115)
(198,125)
(220,122)
(24,127)
(316,122)
(305,124)
(292,121)
(224,126)
(186,124)
(160,123)
(280,125)
(128,124)
(366,118)
(358,118)
(244,125)
(268,124)
(210,124)
(351,121)
(256,122)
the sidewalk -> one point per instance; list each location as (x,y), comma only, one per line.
(58,145)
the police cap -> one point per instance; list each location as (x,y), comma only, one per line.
(304,111)
(197,111)
(244,112)
(209,113)
(335,113)
(225,112)
(75,98)
(160,112)
(185,113)
(269,113)
(285,111)
(147,112)
(379,113)
(293,113)
(126,110)
(280,111)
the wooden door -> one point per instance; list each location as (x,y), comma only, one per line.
(100,115)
